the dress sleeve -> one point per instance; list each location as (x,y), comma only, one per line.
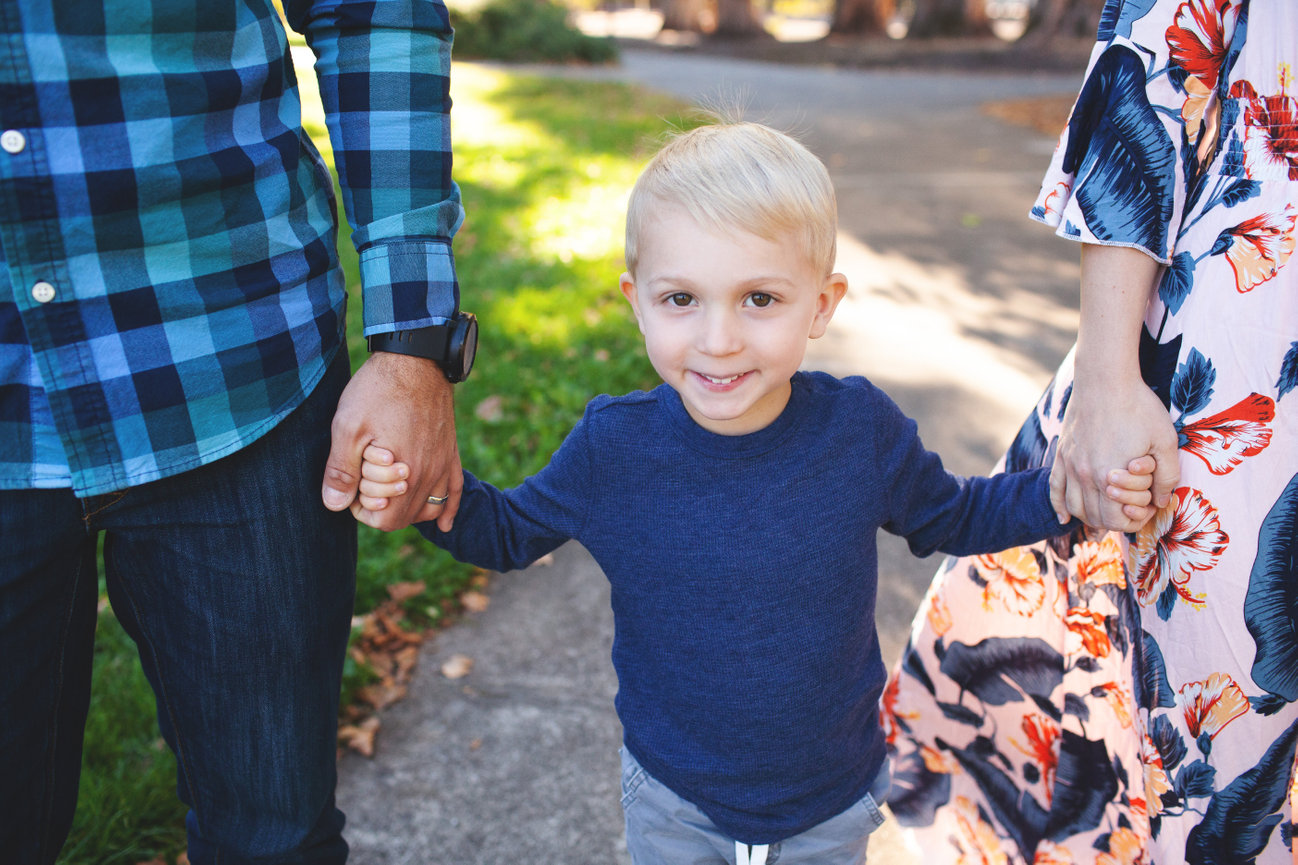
(384,73)
(1120,173)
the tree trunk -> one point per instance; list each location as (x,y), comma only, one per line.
(684,15)
(949,18)
(737,18)
(862,17)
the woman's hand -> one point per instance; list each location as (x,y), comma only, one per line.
(1104,432)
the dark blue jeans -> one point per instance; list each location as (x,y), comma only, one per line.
(237,585)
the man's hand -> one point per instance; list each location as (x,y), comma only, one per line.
(403,404)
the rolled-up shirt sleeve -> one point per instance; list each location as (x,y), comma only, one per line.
(384,73)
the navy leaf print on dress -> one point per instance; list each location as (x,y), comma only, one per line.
(1084,783)
(1271,604)
(992,668)
(1177,281)
(1241,817)
(1169,742)
(960,714)
(1192,385)
(1122,155)
(917,792)
(913,664)
(1240,191)
(1288,371)
(1029,448)
(1157,690)
(1196,780)
(1158,364)
(1267,704)
(1020,815)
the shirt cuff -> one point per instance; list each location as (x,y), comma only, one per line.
(408,284)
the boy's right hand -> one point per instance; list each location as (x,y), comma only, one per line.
(1131,487)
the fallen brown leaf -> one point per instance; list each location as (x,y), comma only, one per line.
(382,695)
(457,666)
(360,737)
(405,591)
(475,602)
(404,663)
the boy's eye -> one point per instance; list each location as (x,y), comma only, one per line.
(760,300)
(680,298)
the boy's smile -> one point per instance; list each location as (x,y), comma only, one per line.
(726,316)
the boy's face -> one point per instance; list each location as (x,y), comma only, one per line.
(726,316)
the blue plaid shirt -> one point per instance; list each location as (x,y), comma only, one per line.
(170,287)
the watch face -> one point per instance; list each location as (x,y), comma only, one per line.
(463,347)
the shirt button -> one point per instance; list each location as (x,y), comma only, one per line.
(43,292)
(12,141)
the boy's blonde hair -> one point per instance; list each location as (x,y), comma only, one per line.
(743,176)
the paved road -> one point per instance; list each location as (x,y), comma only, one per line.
(960,307)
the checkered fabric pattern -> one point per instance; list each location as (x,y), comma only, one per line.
(170,287)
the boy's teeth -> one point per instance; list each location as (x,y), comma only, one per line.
(726,380)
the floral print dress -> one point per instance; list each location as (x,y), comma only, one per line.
(1134,699)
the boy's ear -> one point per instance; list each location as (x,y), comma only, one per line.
(626,283)
(832,291)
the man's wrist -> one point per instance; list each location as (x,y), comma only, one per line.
(452,346)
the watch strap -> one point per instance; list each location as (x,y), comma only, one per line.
(429,342)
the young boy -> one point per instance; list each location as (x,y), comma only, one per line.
(734,510)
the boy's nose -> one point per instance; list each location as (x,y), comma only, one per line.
(720,334)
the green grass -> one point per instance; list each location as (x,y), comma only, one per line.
(545,166)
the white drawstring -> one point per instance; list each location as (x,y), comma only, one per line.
(750,854)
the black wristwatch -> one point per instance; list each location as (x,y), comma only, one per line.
(452,346)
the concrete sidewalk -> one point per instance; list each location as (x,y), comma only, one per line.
(960,308)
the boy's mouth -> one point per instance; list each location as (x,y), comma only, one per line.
(721,381)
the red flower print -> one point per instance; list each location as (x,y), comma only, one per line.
(1042,733)
(938,762)
(1050,853)
(1087,627)
(1156,781)
(977,841)
(1210,705)
(939,615)
(1257,248)
(1182,538)
(1125,848)
(1197,39)
(1014,578)
(1056,199)
(1119,699)
(1100,563)
(1270,131)
(889,712)
(1225,439)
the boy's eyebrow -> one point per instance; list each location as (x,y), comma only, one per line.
(751,282)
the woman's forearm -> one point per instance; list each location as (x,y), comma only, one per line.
(1112,416)
(1116,286)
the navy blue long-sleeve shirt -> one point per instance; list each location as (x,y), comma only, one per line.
(744,574)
